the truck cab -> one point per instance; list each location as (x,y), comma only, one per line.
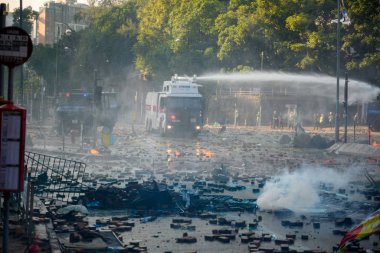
(177,108)
(80,110)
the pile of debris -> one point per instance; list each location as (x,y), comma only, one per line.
(146,196)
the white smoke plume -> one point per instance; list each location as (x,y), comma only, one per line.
(298,191)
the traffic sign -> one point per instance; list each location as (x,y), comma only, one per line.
(15,46)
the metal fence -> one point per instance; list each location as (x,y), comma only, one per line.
(55,177)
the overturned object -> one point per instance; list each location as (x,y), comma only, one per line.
(72,208)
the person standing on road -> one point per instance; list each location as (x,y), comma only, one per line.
(291,120)
(275,119)
(280,121)
(331,120)
(316,121)
(356,119)
(258,118)
(321,121)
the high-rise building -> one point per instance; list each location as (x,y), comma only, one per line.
(56,18)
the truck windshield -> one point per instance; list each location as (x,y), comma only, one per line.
(181,102)
(84,99)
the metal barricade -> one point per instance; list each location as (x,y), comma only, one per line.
(54,177)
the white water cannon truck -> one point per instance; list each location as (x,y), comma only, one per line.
(177,108)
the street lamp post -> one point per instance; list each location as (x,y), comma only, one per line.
(345,107)
(337,73)
(3,14)
(345,20)
(68,32)
(21,67)
(56,72)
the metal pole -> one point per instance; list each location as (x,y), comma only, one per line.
(6,222)
(31,207)
(3,14)
(81,134)
(63,136)
(260,115)
(42,102)
(30,97)
(337,73)
(22,66)
(141,107)
(369,134)
(94,107)
(345,107)
(262,59)
(56,71)
(10,84)
(21,14)
(27,210)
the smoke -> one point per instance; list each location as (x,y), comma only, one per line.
(298,191)
(320,85)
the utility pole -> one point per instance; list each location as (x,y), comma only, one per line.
(345,107)
(95,99)
(337,73)
(22,66)
(12,143)
(3,14)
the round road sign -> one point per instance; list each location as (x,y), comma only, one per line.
(15,46)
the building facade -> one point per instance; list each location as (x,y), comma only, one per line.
(55,18)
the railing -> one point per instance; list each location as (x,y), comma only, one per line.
(54,177)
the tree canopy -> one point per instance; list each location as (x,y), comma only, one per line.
(159,38)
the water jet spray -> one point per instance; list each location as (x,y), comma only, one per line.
(305,84)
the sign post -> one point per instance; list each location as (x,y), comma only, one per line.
(15,49)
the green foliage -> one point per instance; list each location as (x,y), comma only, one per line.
(106,46)
(363,37)
(28,15)
(242,69)
(163,37)
(42,62)
(177,36)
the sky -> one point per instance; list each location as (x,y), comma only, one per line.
(34,3)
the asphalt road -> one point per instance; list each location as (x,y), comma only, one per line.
(247,153)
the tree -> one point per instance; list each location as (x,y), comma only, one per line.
(41,63)
(177,36)
(152,48)
(165,37)
(361,39)
(193,35)
(284,30)
(105,47)
(28,15)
